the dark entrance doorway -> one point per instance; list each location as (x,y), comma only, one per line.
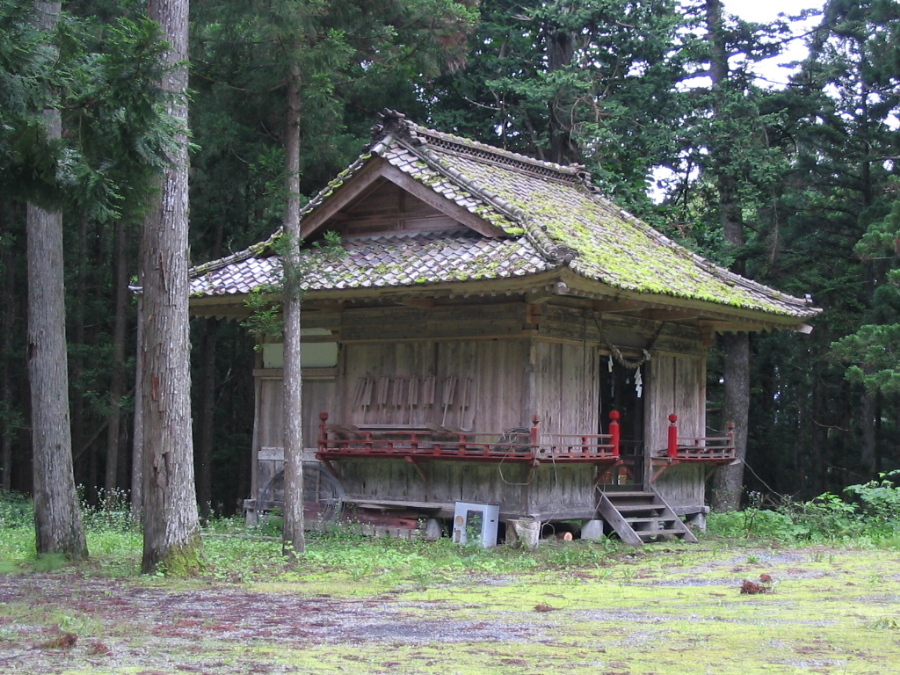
(623,389)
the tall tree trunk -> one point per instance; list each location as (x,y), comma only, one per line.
(293,536)
(137,442)
(560,54)
(117,381)
(207,417)
(171,522)
(206,445)
(7,321)
(728,480)
(57,516)
(85,471)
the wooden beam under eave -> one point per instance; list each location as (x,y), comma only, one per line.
(731,326)
(603,306)
(323,305)
(422,303)
(670,315)
(219,311)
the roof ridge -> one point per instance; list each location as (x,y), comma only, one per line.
(396,124)
(546,246)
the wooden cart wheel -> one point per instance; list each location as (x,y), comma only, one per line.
(322,493)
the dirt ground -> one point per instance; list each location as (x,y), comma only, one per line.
(821,611)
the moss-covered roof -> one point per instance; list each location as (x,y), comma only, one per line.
(547,216)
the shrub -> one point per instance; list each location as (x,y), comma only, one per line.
(867,512)
(16,510)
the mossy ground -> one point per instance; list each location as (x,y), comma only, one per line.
(577,608)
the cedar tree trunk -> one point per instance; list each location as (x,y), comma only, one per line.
(137,442)
(207,417)
(57,516)
(294,541)
(117,381)
(171,523)
(728,480)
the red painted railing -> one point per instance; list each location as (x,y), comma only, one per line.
(699,448)
(519,445)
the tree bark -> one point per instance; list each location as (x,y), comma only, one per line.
(171,522)
(117,380)
(560,54)
(207,417)
(728,481)
(57,516)
(293,536)
(137,442)
(85,469)
(7,321)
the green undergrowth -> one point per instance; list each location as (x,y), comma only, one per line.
(865,515)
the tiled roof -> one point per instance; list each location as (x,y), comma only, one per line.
(381,261)
(551,217)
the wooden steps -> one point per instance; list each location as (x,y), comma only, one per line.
(639,517)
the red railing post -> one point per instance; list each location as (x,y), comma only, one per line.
(673,437)
(323,432)
(534,435)
(614,431)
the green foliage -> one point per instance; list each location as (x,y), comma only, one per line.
(16,510)
(102,76)
(572,82)
(869,512)
(264,323)
(754,523)
(874,349)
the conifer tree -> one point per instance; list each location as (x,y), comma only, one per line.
(171,520)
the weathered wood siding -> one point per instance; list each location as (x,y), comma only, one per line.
(566,386)
(677,385)
(448,482)
(475,385)
(268,434)
(561,492)
(384,208)
(488,368)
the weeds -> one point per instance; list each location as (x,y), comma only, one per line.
(868,514)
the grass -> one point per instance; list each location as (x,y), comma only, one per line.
(359,605)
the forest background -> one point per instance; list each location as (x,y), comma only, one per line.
(675,126)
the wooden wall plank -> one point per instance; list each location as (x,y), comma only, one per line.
(567,384)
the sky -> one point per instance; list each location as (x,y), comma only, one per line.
(766,10)
(763,11)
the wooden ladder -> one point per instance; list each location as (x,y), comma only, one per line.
(639,517)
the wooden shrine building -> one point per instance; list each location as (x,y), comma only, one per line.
(497,333)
